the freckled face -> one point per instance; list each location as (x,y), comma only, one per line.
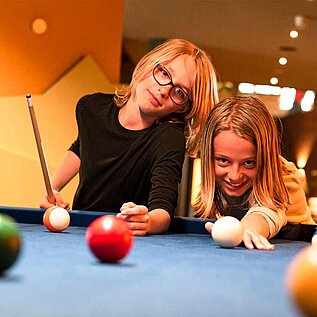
(153,99)
(235,163)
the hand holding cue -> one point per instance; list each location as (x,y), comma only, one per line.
(40,149)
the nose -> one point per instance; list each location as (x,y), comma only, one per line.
(164,90)
(234,174)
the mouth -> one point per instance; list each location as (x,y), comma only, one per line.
(154,100)
(235,186)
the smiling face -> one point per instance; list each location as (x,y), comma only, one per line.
(153,100)
(235,163)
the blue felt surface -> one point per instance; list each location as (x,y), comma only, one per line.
(164,275)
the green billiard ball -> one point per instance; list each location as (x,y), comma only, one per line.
(10,242)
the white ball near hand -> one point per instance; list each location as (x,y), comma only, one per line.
(227,232)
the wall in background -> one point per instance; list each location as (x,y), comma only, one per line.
(79,53)
(21,180)
(32,62)
(300,145)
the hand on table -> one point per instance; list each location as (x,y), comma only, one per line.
(58,201)
(251,238)
(137,217)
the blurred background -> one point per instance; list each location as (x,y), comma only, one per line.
(60,50)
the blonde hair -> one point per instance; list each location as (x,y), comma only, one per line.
(248,118)
(204,94)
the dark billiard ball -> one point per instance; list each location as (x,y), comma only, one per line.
(10,242)
(109,238)
(301,280)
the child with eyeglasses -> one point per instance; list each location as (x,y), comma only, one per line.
(243,174)
(130,147)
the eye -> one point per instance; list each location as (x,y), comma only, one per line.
(180,92)
(250,164)
(163,72)
(221,161)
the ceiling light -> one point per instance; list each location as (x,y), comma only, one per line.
(287,98)
(273,80)
(267,90)
(39,26)
(246,88)
(293,34)
(283,61)
(308,101)
(301,22)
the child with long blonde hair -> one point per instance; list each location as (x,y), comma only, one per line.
(130,146)
(243,174)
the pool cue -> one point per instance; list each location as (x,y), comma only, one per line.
(40,149)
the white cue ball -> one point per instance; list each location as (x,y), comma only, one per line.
(56,219)
(227,232)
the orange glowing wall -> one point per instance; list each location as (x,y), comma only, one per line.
(32,62)
(80,53)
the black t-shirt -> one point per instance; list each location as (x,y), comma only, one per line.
(235,206)
(120,165)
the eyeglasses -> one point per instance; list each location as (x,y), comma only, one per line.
(164,78)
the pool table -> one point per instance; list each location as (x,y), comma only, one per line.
(181,273)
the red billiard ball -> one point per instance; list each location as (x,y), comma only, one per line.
(109,238)
(56,219)
(10,242)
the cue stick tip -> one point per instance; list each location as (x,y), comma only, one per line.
(28,99)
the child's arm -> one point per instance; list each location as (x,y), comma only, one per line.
(266,222)
(256,232)
(259,224)
(143,222)
(66,171)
